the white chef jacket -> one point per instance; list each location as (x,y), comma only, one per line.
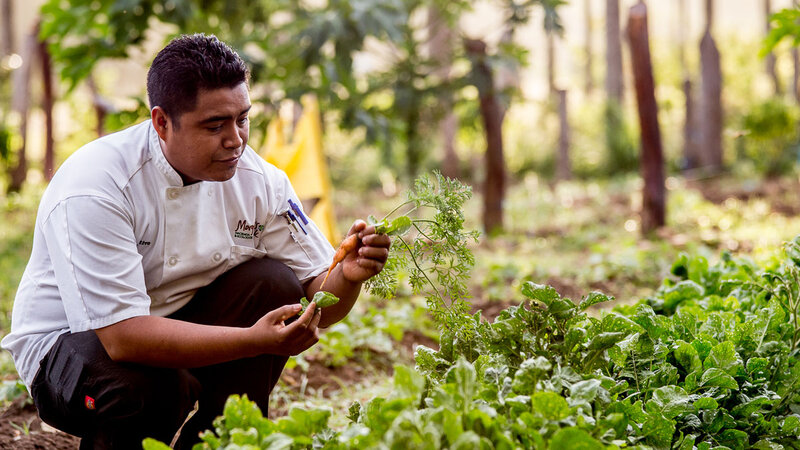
(118,235)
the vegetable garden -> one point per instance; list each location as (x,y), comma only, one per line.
(708,360)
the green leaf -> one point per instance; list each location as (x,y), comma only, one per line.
(705,403)
(324,299)
(529,373)
(550,405)
(723,356)
(585,390)
(464,379)
(671,401)
(757,366)
(592,299)
(681,292)
(620,351)
(574,439)
(715,377)
(304,422)
(658,430)
(397,227)
(603,341)
(152,444)
(791,426)
(539,292)
(744,410)
(408,383)
(735,439)
(687,356)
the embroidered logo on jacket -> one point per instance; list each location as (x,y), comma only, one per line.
(245,230)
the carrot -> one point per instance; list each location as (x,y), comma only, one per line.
(347,245)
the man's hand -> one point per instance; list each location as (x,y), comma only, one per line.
(272,335)
(369,256)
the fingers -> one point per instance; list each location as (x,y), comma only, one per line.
(308,315)
(376,253)
(358,226)
(284,312)
(304,332)
(375,240)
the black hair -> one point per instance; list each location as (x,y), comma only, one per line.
(188,64)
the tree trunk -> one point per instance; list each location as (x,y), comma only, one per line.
(652,161)
(492,117)
(7,27)
(587,11)
(796,65)
(47,106)
(440,38)
(711,97)
(551,63)
(20,99)
(796,74)
(563,167)
(614,80)
(448,127)
(770,58)
(691,139)
(692,144)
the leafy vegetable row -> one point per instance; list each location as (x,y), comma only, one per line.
(709,361)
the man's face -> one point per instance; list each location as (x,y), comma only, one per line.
(208,141)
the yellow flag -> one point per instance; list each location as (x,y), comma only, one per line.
(304,163)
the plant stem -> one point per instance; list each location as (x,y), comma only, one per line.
(414,260)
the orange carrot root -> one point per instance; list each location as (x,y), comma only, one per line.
(347,245)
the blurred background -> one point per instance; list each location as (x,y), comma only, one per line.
(598,131)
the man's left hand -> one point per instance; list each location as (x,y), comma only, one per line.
(369,256)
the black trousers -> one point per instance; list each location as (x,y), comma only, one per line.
(80,390)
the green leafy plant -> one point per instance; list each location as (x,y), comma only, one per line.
(710,360)
(770,137)
(431,249)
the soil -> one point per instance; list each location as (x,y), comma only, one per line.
(780,193)
(21,428)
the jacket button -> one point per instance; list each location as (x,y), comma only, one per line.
(172,260)
(172,195)
(217,256)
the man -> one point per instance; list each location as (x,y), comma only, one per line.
(168,261)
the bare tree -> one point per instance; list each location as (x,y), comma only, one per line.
(551,62)
(770,58)
(47,106)
(492,117)
(711,101)
(440,38)
(796,65)
(7,28)
(614,80)
(563,165)
(20,100)
(589,28)
(691,134)
(652,160)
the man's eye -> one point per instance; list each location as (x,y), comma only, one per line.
(243,121)
(217,128)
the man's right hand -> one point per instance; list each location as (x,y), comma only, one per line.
(272,335)
(164,342)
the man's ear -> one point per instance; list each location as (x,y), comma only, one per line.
(161,122)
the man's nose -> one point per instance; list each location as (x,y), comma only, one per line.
(233,139)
